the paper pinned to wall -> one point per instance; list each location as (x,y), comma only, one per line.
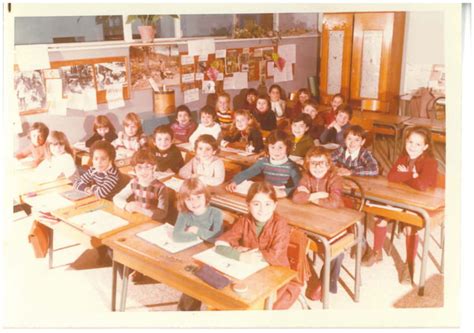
(208,87)
(58,107)
(187,60)
(187,78)
(229,83)
(220,76)
(114,96)
(199,76)
(31,58)
(54,89)
(288,52)
(201,47)
(270,68)
(220,53)
(203,57)
(191,95)
(285,75)
(241,80)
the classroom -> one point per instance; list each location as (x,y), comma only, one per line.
(229,160)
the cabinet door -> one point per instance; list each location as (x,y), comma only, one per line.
(336,49)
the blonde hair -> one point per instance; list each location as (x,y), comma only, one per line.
(192,186)
(253,124)
(62,139)
(135,119)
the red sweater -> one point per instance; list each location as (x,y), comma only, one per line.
(426,167)
(330,183)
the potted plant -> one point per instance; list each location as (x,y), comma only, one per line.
(147,27)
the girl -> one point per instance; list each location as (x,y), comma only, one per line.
(417,168)
(205,165)
(132,138)
(261,235)
(278,105)
(263,114)
(334,133)
(184,125)
(330,115)
(245,131)
(59,161)
(277,169)
(102,177)
(250,99)
(223,111)
(103,130)
(317,124)
(208,125)
(37,149)
(168,156)
(196,219)
(302,96)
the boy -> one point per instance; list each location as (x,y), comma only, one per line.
(334,133)
(184,125)
(302,140)
(168,156)
(208,125)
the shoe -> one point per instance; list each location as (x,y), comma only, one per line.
(314,290)
(136,277)
(405,276)
(371,257)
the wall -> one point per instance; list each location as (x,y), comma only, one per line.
(78,124)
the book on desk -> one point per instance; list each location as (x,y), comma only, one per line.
(97,222)
(162,236)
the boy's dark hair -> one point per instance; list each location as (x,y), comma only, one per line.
(208,110)
(355,130)
(304,117)
(163,129)
(210,140)
(346,108)
(267,98)
(279,135)
(251,91)
(279,89)
(143,156)
(43,130)
(184,108)
(105,146)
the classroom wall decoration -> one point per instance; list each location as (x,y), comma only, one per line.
(160,63)
(232,61)
(110,73)
(80,87)
(30,91)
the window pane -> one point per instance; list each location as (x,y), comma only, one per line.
(206,25)
(298,23)
(164,28)
(67,29)
(253,25)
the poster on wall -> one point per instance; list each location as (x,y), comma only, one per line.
(158,62)
(187,71)
(30,91)
(80,87)
(232,63)
(109,74)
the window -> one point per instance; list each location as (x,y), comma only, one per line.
(253,25)
(164,28)
(296,24)
(67,29)
(206,25)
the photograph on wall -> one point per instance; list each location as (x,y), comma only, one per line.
(80,87)
(232,63)
(253,68)
(110,74)
(215,72)
(30,90)
(158,62)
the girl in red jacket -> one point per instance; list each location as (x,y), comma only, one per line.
(417,168)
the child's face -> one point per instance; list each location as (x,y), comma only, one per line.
(196,203)
(318,166)
(131,129)
(101,160)
(336,101)
(223,104)
(204,151)
(354,142)
(275,94)
(183,118)
(261,207)
(277,150)
(251,98)
(312,112)
(56,147)
(207,120)
(262,105)
(163,141)
(102,131)
(342,118)
(35,137)
(303,97)
(415,145)
(145,172)
(299,128)
(241,122)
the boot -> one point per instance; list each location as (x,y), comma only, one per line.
(371,257)
(411,242)
(334,272)
(405,276)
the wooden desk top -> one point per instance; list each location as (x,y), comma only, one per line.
(380,117)
(380,187)
(168,268)
(433,124)
(322,221)
(24,184)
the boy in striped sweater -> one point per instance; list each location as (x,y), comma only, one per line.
(277,168)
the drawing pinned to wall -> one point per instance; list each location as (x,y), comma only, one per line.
(107,74)
(187,70)
(232,63)
(201,69)
(158,62)
(30,91)
(80,87)
(244,59)
(216,70)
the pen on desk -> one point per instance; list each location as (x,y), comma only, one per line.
(87,203)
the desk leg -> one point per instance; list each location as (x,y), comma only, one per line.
(357,279)
(51,248)
(327,268)
(269,301)
(123,298)
(114,284)
(424,257)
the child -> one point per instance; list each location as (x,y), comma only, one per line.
(132,138)
(330,116)
(208,125)
(144,194)
(354,159)
(59,159)
(196,219)
(184,125)
(205,165)
(250,99)
(417,168)
(277,169)
(334,133)
(37,149)
(278,105)
(263,114)
(302,96)
(103,130)
(302,140)
(317,121)
(244,131)
(102,177)
(168,156)
(223,111)
(262,235)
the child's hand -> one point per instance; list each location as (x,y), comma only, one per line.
(303,189)
(231,187)
(337,127)
(344,172)
(132,207)
(402,168)
(224,143)
(193,229)
(251,256)
(88,190)
(415,173)
(318,195)
(280,192)
(249,149)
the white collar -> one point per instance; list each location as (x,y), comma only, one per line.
(279,162)
(353,155)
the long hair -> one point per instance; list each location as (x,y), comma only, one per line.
(425,133)
(103,121)
(135,119)
(192,186)
(62,139)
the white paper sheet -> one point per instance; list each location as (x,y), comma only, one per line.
(241,80)
(220,76)
(30,58)
(114,96)
(201,47)
(174,183)
(231,267)
(229,83)
(154,85)
(203,57)
(199,76)
(285,75)
(187,78)
(58,107)
(208,87)
(162,237)
(48,202)
(243,188)
(288,52)
(54,89)
(191,95)
(270,68)
(97,222)
(187,60)
(220,53)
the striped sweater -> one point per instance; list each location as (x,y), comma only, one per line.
(102,184)
(286,174)
(182,133)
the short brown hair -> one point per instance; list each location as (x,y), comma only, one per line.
(103,121)
(279,135)
(340,96)
(209,111)
(209,139)
(261,187)
(184,108)
(43,131)
(355,130)
(132,117)
(425,132)
(192,186)
(143,156)
(163,129)
(345,108)
(312,104)
(315,152)
(306,118)
(267,98)
(105,146)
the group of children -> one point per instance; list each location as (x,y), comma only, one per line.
(315,177)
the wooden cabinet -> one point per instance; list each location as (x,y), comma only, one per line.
(361,55)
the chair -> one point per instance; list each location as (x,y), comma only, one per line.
(298,261)
(436,109)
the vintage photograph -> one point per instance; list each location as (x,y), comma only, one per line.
(111,73)
(29,90)
(80,87)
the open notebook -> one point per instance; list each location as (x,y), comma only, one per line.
(162,236)
(47,202)
(174,183)
(97,222)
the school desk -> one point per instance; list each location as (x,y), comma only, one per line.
(428,206)
(144,257)
(23,184)
(320,224)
